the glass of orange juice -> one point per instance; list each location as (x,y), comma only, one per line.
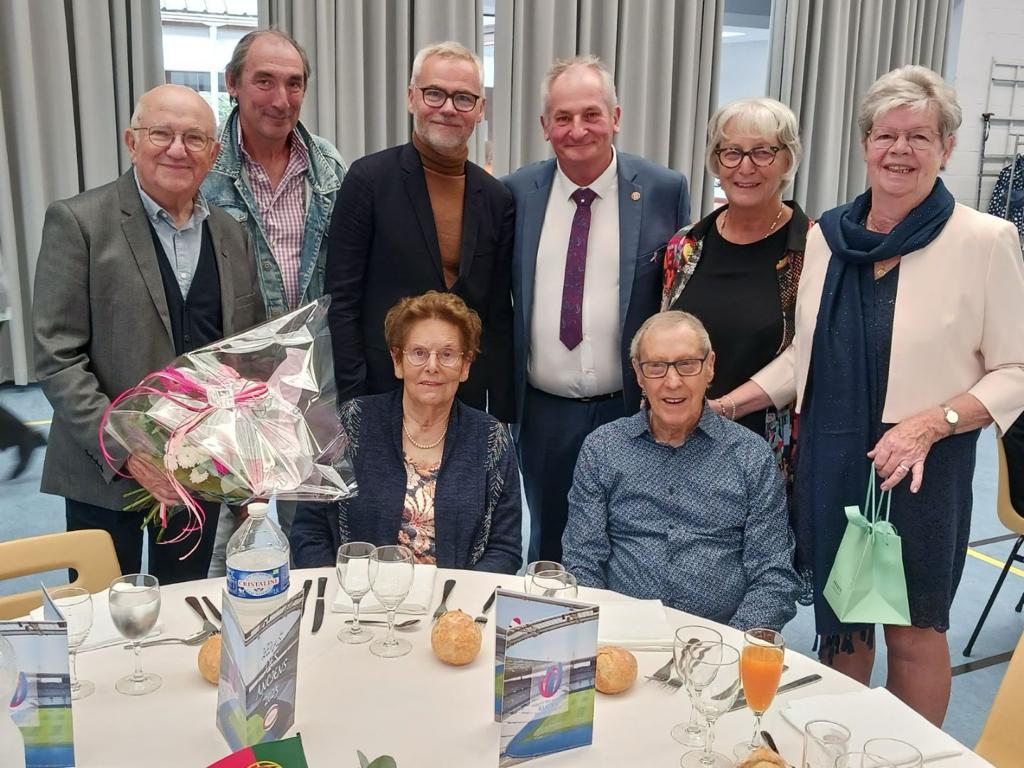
(760,670)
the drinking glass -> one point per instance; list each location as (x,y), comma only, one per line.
(134,608)
(899,753)
(862,760)
(538,566)
(693,732)
(75,604)
(391,574)
(824,741)
(557,584)
(353,567)
(760,672)
(713,678)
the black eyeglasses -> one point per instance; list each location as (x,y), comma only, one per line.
(658,369)
(163,136)
(461,100)
(419,356)
(731,157)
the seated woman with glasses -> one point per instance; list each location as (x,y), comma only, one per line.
(433,474)
(737,269)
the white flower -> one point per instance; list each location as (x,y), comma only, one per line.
(170,462)
(188,457)
(197,476)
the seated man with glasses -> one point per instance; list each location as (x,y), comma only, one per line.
(420,217)
(434,474)
(678,503)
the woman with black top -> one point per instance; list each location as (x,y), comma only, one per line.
(737,269)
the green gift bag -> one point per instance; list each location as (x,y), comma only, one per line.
(867,584)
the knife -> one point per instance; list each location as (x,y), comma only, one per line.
(741,700)
(449,585)
(305,593)
(193,603)
(318,611)
(212,608)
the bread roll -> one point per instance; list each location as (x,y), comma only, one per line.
(455,638)
(762,757)
(616,669)
(209,659)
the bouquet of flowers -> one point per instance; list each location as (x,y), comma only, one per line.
(248,417)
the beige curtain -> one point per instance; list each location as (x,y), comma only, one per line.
(664,57)
(361,52)
(825,55)
(70,73)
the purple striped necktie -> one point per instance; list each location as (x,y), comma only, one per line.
(570,330)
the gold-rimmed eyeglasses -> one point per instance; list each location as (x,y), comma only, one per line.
(419,356)
(163,136)
(917,138)
(658,369)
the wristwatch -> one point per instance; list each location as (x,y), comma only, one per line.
(951,416)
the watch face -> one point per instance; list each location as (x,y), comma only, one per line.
(952,417)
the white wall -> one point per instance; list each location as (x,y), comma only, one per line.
(991,29)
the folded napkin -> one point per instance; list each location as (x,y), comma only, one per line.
(418,600)
(640,625)
(103,633)
(873,714)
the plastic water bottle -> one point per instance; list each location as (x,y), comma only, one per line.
(12,745)
(257,566)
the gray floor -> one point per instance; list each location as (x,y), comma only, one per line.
(26,512)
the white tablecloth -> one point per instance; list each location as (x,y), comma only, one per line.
(422,712)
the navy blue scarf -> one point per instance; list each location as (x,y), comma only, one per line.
(841,411)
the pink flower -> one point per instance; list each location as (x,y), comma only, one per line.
(221,468)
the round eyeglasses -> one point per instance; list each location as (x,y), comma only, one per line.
(658,369)
(762,157)
(419,356)
(917,138)
(163,136)
(461,100)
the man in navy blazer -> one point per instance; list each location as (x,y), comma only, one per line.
(590,232)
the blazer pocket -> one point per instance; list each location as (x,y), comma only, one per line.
(245,300)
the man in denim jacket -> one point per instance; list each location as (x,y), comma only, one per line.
(279,181)
(274,176)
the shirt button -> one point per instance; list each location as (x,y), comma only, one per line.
(183,275)
(187,337)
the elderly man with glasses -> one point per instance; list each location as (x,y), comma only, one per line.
(678,503)
(130,275)
(420,217)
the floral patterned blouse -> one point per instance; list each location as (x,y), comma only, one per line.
(417,531)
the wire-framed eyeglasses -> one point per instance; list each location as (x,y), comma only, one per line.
(658,369)
(731,157)
(419,356)
(163,136)
(463,101)
(917,138)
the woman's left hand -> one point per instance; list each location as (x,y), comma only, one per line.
(902,451)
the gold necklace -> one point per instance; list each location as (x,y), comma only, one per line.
(782,208)
(421,446)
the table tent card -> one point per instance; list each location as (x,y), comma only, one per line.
(286,753)
(258,674)
(544,670)
(40,706)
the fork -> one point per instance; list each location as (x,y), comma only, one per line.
(482,618)
(664,674)
(197,639)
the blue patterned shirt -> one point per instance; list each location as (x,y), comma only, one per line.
(702,527)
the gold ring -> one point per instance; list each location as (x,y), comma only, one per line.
(903,466)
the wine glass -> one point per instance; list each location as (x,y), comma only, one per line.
(824,741)
(538,566)
(391,575)
(557,584)
(75,604)
(760,672)
(713,678)
(134,608)
(899,753)
(693,732)
(862,760)
(353,567)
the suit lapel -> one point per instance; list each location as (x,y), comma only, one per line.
(223,257)
(534,209)
(631,203)
(416,187)
(470,221)
(135,226)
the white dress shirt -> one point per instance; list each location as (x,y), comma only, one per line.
(593,367)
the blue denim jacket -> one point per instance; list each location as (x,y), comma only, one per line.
(226,187)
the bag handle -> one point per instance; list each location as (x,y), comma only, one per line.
(873,506)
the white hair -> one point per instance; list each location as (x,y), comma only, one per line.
(449,49)
(915,87)
(591,62)
(767,118)
(670,319)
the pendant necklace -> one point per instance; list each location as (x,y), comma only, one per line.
(782,208)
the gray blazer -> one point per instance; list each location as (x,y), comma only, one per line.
(101,322)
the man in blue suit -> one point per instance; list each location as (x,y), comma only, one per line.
(591,228)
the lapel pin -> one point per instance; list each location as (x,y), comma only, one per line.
(635,196)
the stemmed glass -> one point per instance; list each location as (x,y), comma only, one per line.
(862,760)
(538,566)
(557,584)
(713,678)
(899,753)
(693,732)
(391,575)
(353,567)
(75,604)
(760,672)
(134,608)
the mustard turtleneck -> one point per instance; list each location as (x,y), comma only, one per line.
(446,187)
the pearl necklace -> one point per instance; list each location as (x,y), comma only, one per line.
(782,208)
(421,446)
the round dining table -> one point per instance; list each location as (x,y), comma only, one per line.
(422,712)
